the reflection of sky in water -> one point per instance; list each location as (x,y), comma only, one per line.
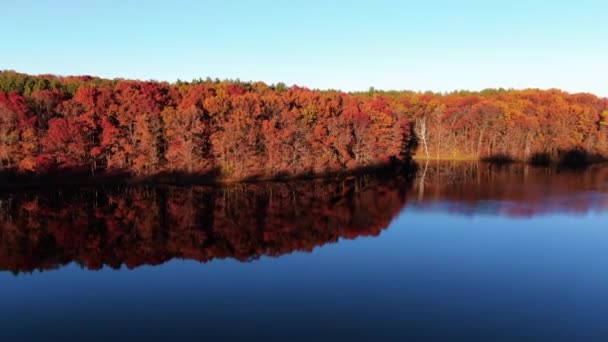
(431,275)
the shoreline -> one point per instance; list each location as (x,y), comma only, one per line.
(576,162)
(16,181)
(13,181)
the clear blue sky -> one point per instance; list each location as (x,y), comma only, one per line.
(350,45)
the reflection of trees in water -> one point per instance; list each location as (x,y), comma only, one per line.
(133,226)
(511,189)
(150,225)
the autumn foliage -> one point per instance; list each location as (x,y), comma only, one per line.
(527,125)
(238,130)
(233,129)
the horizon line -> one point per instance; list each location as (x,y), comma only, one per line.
(371,88)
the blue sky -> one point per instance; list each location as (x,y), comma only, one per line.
(350,45)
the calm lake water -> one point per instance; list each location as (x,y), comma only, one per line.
(465,252)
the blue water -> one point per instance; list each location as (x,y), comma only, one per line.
(433,274)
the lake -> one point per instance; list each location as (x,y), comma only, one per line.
(450,251)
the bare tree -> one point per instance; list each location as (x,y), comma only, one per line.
(422,134)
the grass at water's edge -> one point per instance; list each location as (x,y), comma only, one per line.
(569,159)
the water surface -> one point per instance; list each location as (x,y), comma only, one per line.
(452,252)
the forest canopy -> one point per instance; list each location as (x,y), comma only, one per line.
(250,129)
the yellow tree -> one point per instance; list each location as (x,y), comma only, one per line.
(604,119)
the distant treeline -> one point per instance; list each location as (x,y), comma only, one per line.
(237,130)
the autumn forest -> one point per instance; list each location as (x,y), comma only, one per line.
(240,130)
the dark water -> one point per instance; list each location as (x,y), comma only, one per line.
(457,252)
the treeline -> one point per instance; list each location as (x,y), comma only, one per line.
(134,226)
(238,130)
(228,129)
(526,125)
